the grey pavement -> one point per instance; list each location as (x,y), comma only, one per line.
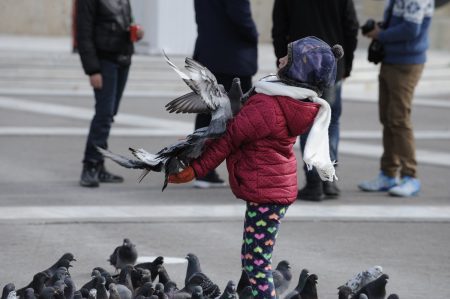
(45,108)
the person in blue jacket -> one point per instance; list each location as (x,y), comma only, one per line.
(405,41)
(227,45)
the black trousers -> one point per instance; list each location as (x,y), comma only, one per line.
(202,119)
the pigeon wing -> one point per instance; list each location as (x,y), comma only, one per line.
(189,82)
(188,103)
(122,160)
(146,157)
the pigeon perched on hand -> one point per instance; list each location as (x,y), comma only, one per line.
(207,96)
(123,255)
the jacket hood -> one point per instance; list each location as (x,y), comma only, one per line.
(299,114)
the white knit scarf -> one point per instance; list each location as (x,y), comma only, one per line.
(317,151)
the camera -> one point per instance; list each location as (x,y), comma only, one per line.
(368,26)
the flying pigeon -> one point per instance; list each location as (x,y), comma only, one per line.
(282,276)
(207,96)
(123,255)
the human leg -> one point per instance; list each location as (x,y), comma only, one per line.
(261,227)
(105,103)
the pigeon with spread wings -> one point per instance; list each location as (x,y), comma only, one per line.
(207,96)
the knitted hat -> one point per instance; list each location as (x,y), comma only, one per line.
(311,64)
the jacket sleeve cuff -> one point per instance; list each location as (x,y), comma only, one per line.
(198,169)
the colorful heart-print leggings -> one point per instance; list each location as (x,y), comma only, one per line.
(260,232)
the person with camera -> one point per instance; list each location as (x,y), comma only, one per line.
(335,22)
(105,33)
(401,42)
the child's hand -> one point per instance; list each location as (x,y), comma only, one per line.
(185,176)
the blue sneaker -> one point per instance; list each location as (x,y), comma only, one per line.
(380,183)
(408,186)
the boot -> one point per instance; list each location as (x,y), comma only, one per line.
(89,175)
(104,176)
(313,190)
(330,189)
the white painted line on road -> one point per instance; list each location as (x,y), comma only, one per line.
(74,131)
(417,101)
(88,92)
(86,114)
(374,151)
(167,260)
(208,213)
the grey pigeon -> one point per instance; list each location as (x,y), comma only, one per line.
(63,261)
(282,277)
(113,292)
(193,266)
(210,289)
(230,291)
(69,290)
(37,284)
(207,97)
(244,287)
(100,286)
(197,293)
(345,292)
(159,291)
(146,290)
(123,255)
(309,289)
(375,289)
(9,291)
(125,277)
(29,294)
(153,266)
(393,296)
(300,285)
(363,296)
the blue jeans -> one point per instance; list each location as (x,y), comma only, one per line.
(107,100)
(333,96)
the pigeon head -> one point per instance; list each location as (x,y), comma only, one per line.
(311,63)
(285,268)
(68,256)
(9,291)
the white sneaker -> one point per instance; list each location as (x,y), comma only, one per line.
(408,186)
(381,183)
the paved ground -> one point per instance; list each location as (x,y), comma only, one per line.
(45,108)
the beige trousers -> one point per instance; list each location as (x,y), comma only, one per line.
(396,89)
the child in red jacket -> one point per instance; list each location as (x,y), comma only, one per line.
(258,148)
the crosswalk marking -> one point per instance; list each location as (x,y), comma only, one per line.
(230,212)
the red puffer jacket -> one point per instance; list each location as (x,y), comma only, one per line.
(258,146)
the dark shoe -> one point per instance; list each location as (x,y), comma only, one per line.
(89,175)
(311,192)
(330,189)
(105,176)
(211,180)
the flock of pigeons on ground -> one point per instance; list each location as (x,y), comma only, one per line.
(207,96)
(150,280)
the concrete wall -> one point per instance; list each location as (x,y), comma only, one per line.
(53,17)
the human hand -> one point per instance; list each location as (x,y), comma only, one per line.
(184,176)
(374,33)
(140,33)
(96,81)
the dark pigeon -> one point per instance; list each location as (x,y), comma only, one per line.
(29,294)
(244,287)
(210,289)
(123,255)
(113,292)
(153,266)
(300,285)
(9,291)
(345,292)
(193,266)
(282,277)
(230,291)
(197,293)
(37,284)
(393,296)
(375,289)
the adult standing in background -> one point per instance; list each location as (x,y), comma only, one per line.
(405,40)
(227,45)
(335,22)
(105,35)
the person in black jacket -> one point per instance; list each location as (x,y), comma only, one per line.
(105,48)
(227,45)
(335,22)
